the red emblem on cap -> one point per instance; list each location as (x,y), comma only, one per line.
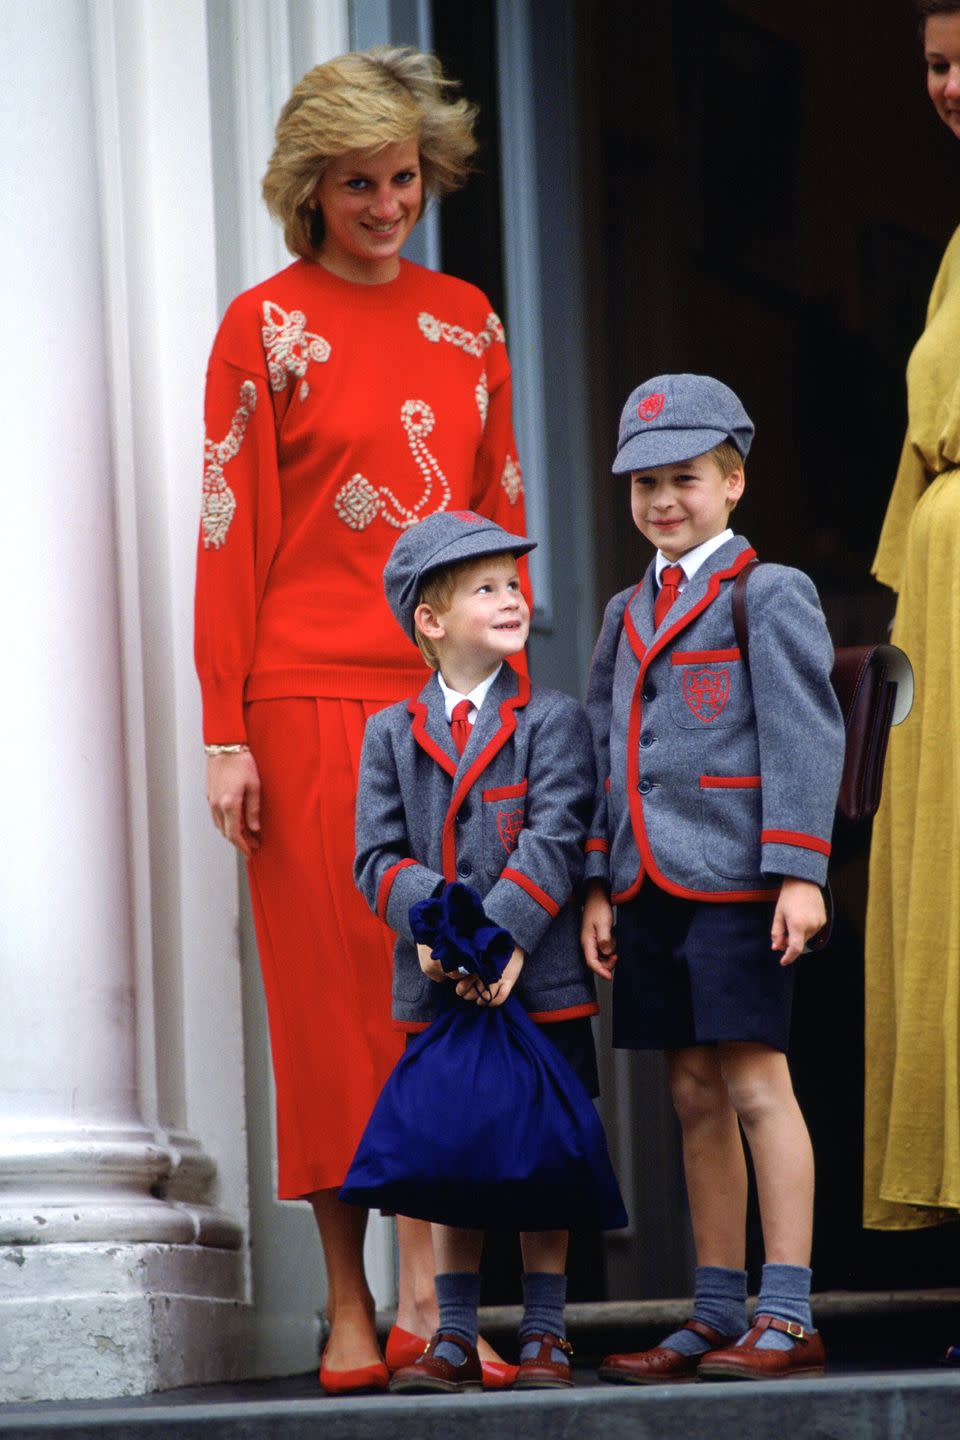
(509,825)
(706,692)
(650,406)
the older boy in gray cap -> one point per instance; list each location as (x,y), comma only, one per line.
(485,779)
(712,840)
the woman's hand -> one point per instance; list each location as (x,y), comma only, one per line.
(799,915)
(473,988)
(233,794)
(596,931)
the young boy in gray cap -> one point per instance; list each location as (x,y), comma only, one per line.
(486,779)
(711,836)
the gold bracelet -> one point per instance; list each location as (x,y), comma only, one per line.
(226,749)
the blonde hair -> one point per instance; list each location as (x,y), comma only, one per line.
(364,101)
(727,456)
(728,459)
(436,590)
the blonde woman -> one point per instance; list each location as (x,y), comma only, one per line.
(348,397)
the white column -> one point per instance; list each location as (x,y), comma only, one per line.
(112,1286)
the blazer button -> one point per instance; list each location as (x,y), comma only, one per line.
(646,741)
(649,692)
(465,869)
(463,814)
(645,787)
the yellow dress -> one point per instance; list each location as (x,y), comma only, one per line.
(912,1120)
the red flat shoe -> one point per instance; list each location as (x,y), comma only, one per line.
(403,1348)
(497,1374)
(365,1380)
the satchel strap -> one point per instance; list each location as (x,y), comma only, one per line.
(739,600)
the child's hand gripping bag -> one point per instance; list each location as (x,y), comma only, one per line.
(482,1122)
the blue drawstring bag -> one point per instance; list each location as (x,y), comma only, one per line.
(482,1123)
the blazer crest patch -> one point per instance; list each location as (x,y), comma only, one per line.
(706,692)
(509,825)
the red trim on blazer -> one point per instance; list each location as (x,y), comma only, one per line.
(506,792)
(632,633)
(712,591)
(729,782)
(703,657)
(386,885)
(508,724)
(621,897)
(425,740)
(574,1012)
(795,837)
(602,845)
(533,890)
(648,865)
(606,784)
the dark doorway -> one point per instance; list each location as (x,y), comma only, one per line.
(768,193)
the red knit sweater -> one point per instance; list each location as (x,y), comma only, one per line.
(337,414)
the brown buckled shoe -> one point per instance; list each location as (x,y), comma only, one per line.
(429,1373)
(803,1360)
(541,1371)
(661,1365)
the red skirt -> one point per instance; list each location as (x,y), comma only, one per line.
(326,958)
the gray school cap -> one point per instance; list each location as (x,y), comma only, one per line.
(445,538)
(676,417)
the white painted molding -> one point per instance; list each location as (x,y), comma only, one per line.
(521,249)
(156,210)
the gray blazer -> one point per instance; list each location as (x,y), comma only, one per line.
(721,779)
(508,817)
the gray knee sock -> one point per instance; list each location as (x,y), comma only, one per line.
(784,1292)
(720,1300)
(458,1296)
(544,1296)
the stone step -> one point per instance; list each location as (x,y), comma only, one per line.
(884,1384)
(902,1406)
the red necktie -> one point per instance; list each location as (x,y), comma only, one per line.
(460,726)
(669,590)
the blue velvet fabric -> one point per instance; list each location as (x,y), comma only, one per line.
(482,1123)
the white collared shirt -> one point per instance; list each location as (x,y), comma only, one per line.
(476,697)
(691,562)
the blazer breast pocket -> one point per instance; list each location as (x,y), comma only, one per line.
(730,810)
(707,689)
(504,810)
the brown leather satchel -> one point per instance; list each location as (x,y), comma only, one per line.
(874,684)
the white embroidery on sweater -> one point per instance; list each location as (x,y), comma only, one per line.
(512,479)
(483,398)
(219,501)
(436,330)
(358,501)
(290,346)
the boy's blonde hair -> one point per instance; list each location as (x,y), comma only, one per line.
(364,101)
(437,592)
(727,456)
(728,459)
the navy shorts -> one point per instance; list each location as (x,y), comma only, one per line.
(692,972)
(574,1039)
